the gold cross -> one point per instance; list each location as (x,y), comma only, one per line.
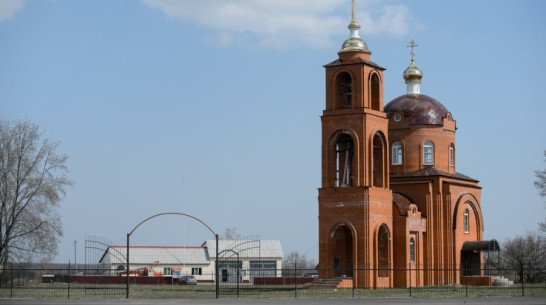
(412,45)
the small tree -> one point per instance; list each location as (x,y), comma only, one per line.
(296,261)
(231,233)
(32,184)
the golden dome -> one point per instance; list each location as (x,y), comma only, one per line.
(413,73)
(354,43)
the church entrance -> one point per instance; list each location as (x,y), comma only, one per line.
(471,255)
(343,251)
(471,262)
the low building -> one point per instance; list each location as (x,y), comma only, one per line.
(246,258)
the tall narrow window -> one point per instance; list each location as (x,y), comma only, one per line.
(451,155)
(396,153)
(378,160)
(375,92)
(428,153)
(344,90)
(412,250)
(466,221)
(344,161)
(383,251)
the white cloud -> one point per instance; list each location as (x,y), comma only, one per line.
(285,23)
(392,20)
(8,8)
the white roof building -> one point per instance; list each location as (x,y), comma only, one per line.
(252,257)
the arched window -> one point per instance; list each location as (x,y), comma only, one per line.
(374,92)
(466,221)
(428,153)
(344,90)
(378,160)
(344,161)
(383,251)
(412,250)
(396,153)
(451,155)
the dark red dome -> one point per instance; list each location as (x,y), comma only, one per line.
(421,109)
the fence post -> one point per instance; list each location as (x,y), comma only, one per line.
(11,281)
(522,281)
(295,280)
(466,280)
(128,268)
(353,286)
(69,280)
(216,269)
(238,279)
(410,280)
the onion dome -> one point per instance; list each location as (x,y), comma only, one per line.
(354,43)
(413,73)
(419,108)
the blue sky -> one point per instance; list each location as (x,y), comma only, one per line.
(213,107)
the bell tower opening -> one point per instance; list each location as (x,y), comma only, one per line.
(344,161)
(374,92)
(344,91)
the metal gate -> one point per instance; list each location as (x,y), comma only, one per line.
(235,261)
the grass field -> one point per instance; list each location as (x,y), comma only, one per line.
(207,291)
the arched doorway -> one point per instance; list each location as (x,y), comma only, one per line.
(342,243)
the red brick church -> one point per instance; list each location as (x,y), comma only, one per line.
(391,200)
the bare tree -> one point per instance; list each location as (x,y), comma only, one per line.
(540,183)
(300,262)
(32,184)
(526,253)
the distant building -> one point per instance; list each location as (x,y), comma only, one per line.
(391,200)
(258,258)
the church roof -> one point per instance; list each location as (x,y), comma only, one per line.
(147,255)
(431,171)
(247,248)
(420,108)
(338,62)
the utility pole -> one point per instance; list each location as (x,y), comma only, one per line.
(75,261)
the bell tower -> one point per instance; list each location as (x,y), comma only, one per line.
(355,203)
